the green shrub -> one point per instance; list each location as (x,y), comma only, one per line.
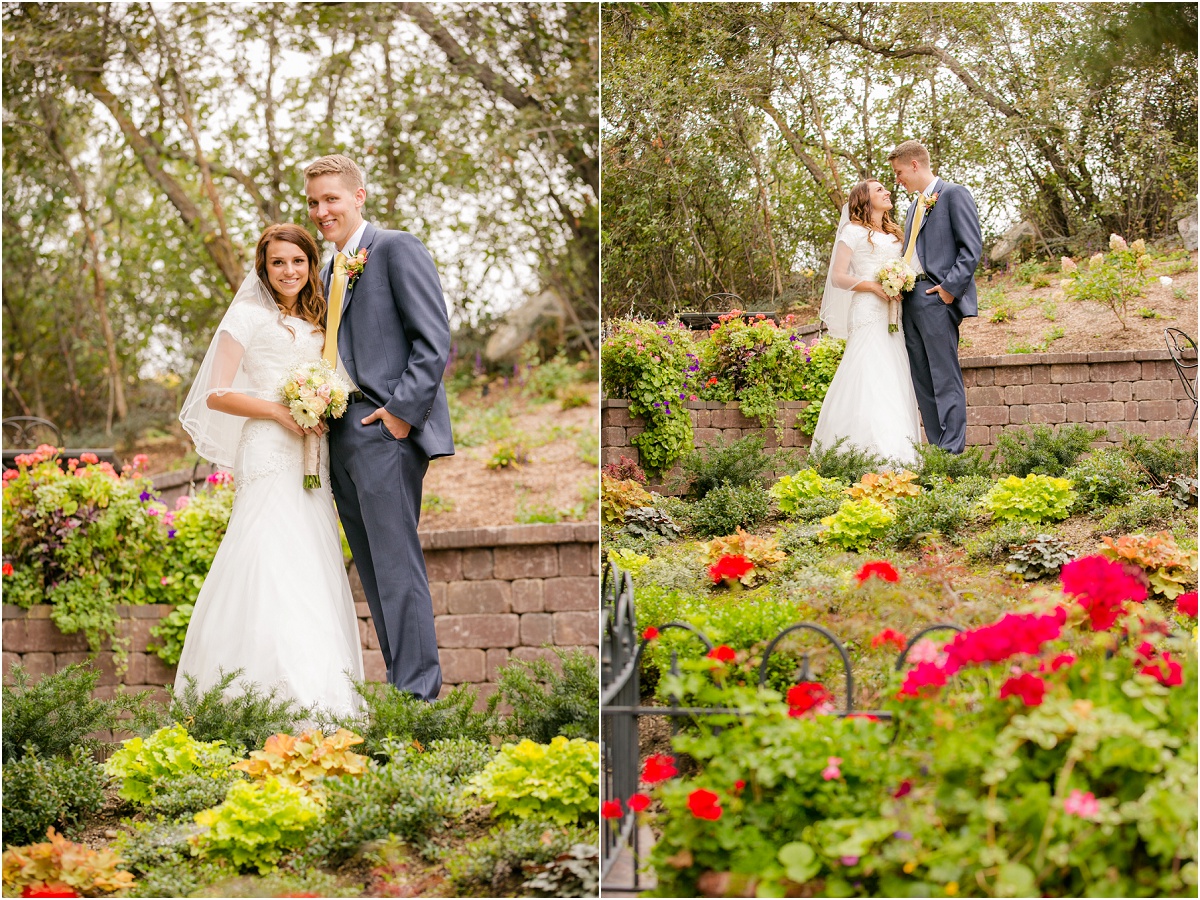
(548,380)
(648,364)
(1106,478)
(647,521)
(727,508)
(198,524)
(817,508)
(575,873)
(738,464)
(1033,499)
(455,758)
(58,713)
(59,791)
(546,704)
(856,524)
(844,462)
(398,714)
(1162,457)
(496,865)
(408,801)
(184,796)
(934,463)
(1042,556)
(996,543)
(1041,450)
(170,633)
(794,493)
(257,823)
(558,781)
(1112,279)
(147,765)
(83,541)
(1143,511)
(243,718)
(824,357)
(939,512)
(160,854)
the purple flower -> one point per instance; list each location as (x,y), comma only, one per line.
(171,532)
(144,496)
(902,835)
(660,323)
(849,860)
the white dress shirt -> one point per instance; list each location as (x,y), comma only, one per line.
(930,189)
(355,239)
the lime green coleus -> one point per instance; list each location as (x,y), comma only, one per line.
(146,764)
(1032,499)
(556,781)
(856,524)
(257,824)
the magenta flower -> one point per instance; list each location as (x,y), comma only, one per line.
(831,771)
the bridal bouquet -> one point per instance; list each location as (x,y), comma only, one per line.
(314,391)
(896,276)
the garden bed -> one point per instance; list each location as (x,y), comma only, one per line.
(759,805)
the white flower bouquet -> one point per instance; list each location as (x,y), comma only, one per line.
(896,276)
(312,392)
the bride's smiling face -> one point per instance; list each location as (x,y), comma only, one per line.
(287,269)
(881,198)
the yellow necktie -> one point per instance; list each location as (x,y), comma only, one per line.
(337,292)
(916,227)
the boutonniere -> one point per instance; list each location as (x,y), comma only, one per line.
(931,200)
(354,267)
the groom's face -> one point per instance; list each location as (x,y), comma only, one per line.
(905,171)
(335,207)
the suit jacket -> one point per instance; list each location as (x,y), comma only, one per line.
(394,335)
(950,243)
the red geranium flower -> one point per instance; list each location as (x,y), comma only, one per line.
(1186,604)
(867,716)
(923,679)
(6,569)
(638,802)
(1028,687)
(904,790)
(48,889)
(805,696)
(880,568)
(1153,665)
(729,567)
(739,786)
(721,653)
(888,636)
(611,809)
(1101,586)
(650,633)
(704,805)
(658,768)
(1062,661)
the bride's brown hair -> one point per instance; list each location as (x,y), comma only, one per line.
(311,305)
(859,208)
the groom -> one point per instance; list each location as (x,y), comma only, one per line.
(394,338)
(948,248)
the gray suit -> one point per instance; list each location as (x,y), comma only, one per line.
(949,246)
(394,338)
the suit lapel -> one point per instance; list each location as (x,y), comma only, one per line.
(368,238)
(937,186)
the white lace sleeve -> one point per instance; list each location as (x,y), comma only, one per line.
(841,269)
(242,321)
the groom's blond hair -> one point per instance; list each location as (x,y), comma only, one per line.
(336,164)
(908,151)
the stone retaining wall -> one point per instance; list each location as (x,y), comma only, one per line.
(1137,391)
(498,593)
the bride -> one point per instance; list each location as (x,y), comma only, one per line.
(276,602)
(871,402)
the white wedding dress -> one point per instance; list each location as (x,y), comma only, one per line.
(871,401)
(276,602)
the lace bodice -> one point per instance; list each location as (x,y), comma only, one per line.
(272,352)
(271,349)
(867,258)
(871,249)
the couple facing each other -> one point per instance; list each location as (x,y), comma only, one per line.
(276,602)
(885,378)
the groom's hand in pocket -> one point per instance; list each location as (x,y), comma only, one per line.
(942,293)
(397,426)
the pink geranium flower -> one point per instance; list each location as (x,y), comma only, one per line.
(1082,804)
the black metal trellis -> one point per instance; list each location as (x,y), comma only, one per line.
(620,695)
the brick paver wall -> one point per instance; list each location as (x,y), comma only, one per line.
(1136,391)
(498,593)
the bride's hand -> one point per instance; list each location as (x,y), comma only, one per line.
(878,291)
(284,418)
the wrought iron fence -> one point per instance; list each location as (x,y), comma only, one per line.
(620,705)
